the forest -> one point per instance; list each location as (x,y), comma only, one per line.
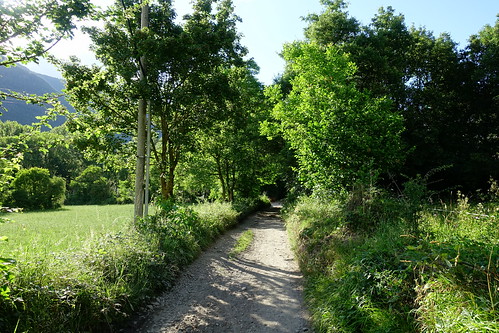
(381,138)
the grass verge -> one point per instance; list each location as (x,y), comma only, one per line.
(242,243)
(98,285)
(369,270)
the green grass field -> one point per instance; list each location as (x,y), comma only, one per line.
(60,230)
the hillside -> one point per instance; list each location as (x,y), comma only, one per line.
(21,79)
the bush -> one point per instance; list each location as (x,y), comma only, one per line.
(35,189)
(183,231)
(91,188)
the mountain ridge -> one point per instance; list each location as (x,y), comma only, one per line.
(21,79)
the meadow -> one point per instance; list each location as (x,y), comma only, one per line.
(33,233)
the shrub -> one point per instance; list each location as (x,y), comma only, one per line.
(176,228)
(8,167)
(35,189)
(91,187)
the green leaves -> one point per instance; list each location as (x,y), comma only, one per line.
(35,189)
(6,275)
(448,97)
(188,76)
(37,25)
(339,133)
(91,187)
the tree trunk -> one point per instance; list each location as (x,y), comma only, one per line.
(170,157)
(221,177)
(139,172)
(167,184)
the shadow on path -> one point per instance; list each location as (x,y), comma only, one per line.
(260,291)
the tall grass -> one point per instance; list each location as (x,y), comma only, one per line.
(369,270)
(94,283)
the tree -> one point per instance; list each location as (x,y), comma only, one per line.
(91,187)
(12,128)
(481,61)
(185,80)
(446,96)
(450,111)
(433,109)
(235,150)
(340,134)
(54,150)
(333,26)
(35,189)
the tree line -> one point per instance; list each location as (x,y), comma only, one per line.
(437,105)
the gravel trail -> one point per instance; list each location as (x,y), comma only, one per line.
(259,291)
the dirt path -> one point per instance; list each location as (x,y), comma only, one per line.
(260,291)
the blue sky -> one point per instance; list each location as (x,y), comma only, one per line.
(268,24)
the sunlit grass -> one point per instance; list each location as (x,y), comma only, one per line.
(35,233)
(442,278)
(83,269)
(242,244)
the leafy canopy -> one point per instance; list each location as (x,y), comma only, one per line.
(448,97)
(340,134)
(37,25)
(186,83)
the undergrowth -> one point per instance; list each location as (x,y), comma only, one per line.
(375,263)
(99,286)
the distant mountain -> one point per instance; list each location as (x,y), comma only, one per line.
(54,82)
(21,79)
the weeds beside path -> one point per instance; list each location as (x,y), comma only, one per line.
(258,291)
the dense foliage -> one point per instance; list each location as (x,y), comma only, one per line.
(34,189)
(447,97)
(91,188)
(61,153)
(232,150)
(187,78)
(340,134)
